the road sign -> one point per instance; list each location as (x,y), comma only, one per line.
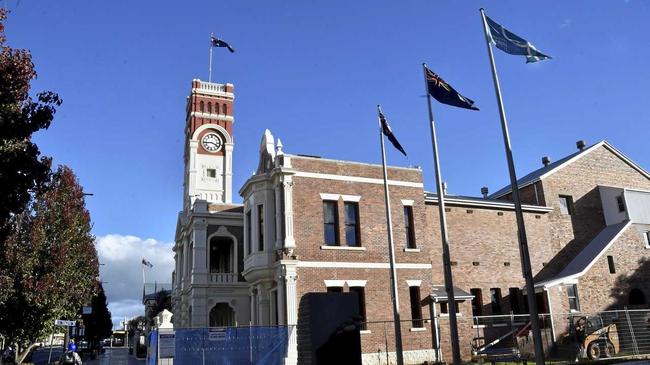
(61,322)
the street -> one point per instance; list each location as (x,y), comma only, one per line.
(112,356)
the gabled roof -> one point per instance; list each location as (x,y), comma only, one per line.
(551,168)
(589,255)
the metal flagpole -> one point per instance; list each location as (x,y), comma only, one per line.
(391,254)
(446,260)
(210,67)
(521,228)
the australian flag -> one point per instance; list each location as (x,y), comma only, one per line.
(216,42)
(388,132)
(446,94)
(509,42)
(146,263)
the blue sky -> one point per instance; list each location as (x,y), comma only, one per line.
(312,72)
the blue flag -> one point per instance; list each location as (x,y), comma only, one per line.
(388,132)
(216,42)
(509,42)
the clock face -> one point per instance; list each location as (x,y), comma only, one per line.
(211,142)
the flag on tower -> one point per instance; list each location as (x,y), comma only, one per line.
(446,94)
(216,42)
(388,132)
(146,263)
(511,43)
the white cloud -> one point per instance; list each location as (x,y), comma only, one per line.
(121,271)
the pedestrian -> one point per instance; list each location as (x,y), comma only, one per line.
(70,356)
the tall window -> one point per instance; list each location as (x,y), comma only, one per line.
(249,233)
(216,108)
(566,204)
(201,106)
(495,298)
(352,224)
(361,297)
(646,236)
(572,294)
(225,109)
(444,307)
(334,289)
(331,222)
(477,301)
(408,226)
(260,227)
(515,295)
(621,203)
(416,309)
(610,262)
(209,107)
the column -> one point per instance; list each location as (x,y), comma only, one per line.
(228,173)
(191,171)
(282,297)
(290,278)
(199,271)
(279,219)
(289,241)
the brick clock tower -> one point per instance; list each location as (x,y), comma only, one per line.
(209,143)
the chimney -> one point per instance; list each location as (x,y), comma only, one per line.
(546,161)
(444,188)
(484,191)
(580,144)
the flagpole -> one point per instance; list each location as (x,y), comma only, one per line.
(391,254)
(446,260)
(210,67)
(521,228)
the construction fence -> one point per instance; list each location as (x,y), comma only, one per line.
(567,338)
(221,345)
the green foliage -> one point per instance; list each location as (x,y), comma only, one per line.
(98,325)
(138,323)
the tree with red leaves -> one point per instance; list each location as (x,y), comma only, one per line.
(51,260)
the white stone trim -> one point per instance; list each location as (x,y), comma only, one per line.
(342,248)
(356,283)
(417,329)
(351,198)
(327,196)
(406,249)
(365,332)
(334,283)
(361,265)
(219,128)
(408,202)
(368,180)
(411,283)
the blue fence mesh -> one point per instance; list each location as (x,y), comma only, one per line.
(152,350)
(231,345)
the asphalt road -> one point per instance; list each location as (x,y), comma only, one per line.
(114,356)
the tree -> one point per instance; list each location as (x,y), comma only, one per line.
(98,324)
(51,261)
(22,170)
(138,323)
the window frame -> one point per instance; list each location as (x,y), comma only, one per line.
(409,228)
(354,225)
(620,201)
(569,204)
(477,301)
(211,173)
(495,301)
(610,264)
(260,227)
(249,232)
(334,223)
(361,297)
(574,300)
(416,309)
(646,238)
(515,300)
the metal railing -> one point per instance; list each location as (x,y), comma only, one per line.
(217,278)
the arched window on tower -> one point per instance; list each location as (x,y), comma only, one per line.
(221,315)
(201,106)
(209,107)
(225,109)
(216,108)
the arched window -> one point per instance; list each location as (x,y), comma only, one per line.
(221,255)
(221,315)
(636,297)
(201,106)
(216,108)
(225,109)
(209,107)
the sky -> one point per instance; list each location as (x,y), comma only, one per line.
(312,72)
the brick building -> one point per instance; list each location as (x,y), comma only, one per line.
(313,225)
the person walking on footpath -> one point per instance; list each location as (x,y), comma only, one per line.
(71,356)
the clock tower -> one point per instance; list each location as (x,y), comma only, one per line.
(209,143)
